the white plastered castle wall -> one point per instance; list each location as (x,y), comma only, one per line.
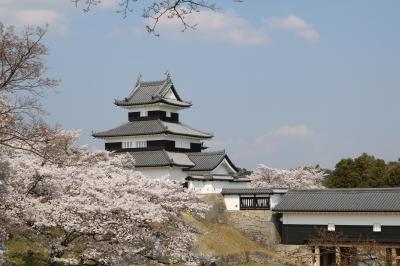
(232,202)
(205,187)
(275,199)
(348,218)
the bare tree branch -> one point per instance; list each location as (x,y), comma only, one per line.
(158,9)
(22,84)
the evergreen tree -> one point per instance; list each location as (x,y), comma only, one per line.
(364,171)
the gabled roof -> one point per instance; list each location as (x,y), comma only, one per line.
(153,92)
(160,158)
(341,200)
(208,161)
(151,127)
(164,158)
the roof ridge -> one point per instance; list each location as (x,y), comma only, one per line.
(119,125)
(165,153)
(167,81)
(139,84)
(207,153)
(207,133)
(160,122)
(153,81)
(345,189)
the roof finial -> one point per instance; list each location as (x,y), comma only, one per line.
(167,74)
(138,79)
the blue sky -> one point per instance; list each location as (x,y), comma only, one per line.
(283,83)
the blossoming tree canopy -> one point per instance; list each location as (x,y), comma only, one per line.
(99,194)
(300,177)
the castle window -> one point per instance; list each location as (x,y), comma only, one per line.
(143,113)
(331,227)
(126,144)
(377,228)
(181,144)
(134,144)
(141,144)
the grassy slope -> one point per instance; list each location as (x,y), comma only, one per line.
(26,252)
(222,240)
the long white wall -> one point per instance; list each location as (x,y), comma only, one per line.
(204,187)
(232,202)
(342,218)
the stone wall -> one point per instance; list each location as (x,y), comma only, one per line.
(249,257)
(257,225)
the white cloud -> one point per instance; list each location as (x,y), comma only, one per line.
(109,3)
(37,13)
(41,17)
(215,26)
(293,131)
(286,146)
(294,23)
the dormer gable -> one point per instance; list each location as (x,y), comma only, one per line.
(170,95)
(152,92)
(224,168)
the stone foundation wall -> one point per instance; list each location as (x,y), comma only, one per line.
(257,225)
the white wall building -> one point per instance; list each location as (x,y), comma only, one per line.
(369,214)
(252,198)
(162,146)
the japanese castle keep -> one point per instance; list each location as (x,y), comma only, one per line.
(162,146)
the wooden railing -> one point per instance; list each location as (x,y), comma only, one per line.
(254,203)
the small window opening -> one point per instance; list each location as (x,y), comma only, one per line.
(331,227)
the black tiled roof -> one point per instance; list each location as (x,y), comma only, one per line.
(160,158)
(341,200)
(230,178)
(152,92)
(165,158)
(208,161)
(151,127)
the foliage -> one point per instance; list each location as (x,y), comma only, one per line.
(301,177)
(364,171)
(99,195)
(243,172)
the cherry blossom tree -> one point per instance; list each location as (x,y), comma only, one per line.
(100,197)
(300,177)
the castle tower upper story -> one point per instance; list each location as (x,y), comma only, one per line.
(153,121)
